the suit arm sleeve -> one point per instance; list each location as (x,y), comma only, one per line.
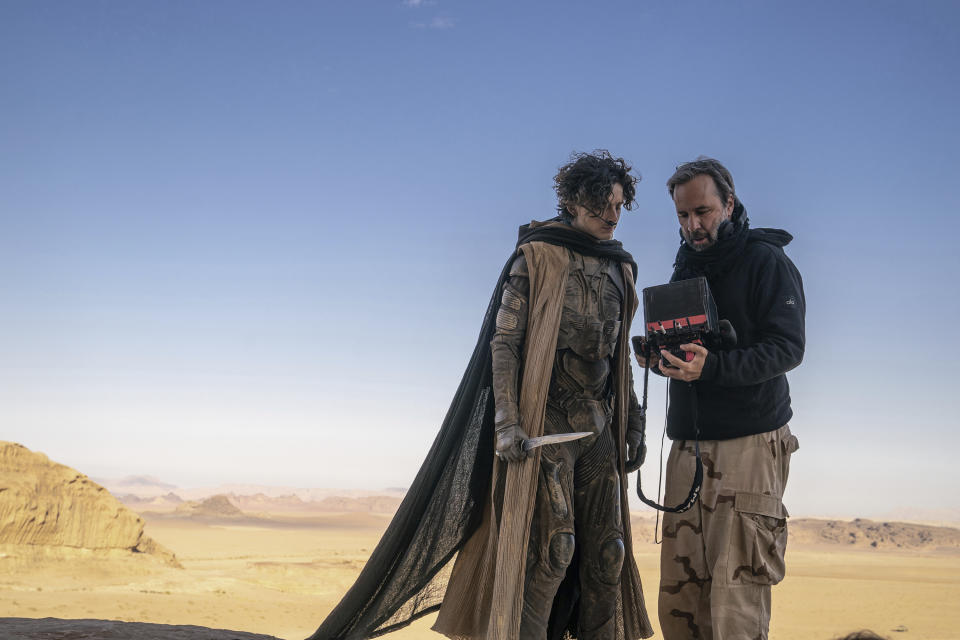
(506,347)
(778,308)
(634,417)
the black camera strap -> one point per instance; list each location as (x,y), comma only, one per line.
(698,473)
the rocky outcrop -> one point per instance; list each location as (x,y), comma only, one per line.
(218,506)
(869,534)
(49,628)
(159,503)
(49,505)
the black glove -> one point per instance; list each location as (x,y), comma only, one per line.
(636,449)
(509,443)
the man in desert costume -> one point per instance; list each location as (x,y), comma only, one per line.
(505,539)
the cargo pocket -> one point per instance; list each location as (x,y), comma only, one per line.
(758,558)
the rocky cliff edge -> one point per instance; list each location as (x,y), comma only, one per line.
(48,505)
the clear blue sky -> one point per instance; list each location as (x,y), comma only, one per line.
(253,241)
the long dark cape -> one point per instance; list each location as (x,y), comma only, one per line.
(405,577)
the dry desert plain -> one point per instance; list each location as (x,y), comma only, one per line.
(280,573)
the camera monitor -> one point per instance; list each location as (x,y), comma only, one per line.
(677,313)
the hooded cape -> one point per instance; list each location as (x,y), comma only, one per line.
(454,500)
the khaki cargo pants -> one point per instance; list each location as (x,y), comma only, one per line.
(720,558)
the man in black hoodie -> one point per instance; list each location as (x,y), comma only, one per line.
(720,558)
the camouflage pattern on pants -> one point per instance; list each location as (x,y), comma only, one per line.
(720,558)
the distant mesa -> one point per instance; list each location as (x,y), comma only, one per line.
(234,507)
(164,502)
(263,502)
(218,506)
(139,486)
(132,489)
(48,506)
(228,504)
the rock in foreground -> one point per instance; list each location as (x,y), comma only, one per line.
(48,628)
(48,506)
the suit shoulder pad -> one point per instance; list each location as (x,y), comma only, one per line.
(519,266)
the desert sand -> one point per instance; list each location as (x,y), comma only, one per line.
(281,578)
(276,565)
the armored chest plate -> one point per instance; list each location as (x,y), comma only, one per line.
(590,322)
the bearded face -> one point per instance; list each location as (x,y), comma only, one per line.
(700,211)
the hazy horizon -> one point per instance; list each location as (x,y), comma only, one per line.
(123,483)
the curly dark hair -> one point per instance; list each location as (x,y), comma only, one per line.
(588,179)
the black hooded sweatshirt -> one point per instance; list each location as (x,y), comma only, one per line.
(743,389)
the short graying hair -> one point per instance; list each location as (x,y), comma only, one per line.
(703,165)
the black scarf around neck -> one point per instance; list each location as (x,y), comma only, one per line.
(718,258)
(559,233)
